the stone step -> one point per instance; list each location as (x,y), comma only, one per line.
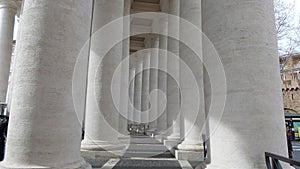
(141,154)
(147,164)
(148,147)
(143,140)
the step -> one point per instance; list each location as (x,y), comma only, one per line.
(148,147)
(140,154)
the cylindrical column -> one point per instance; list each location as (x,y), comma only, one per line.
(244,35)
(138,87)
(154,81)
(191,127)
(102,118)
(162,76)
(173,104)
(131,90)
(8,9)
(44,130)
(146,81)
(125,72)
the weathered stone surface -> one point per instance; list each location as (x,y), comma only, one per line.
(102,117)
(44,130)
(244,35)
(8,10)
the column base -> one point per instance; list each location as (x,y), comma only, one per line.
(98,149)
(89,154)
(189,155)
(160,138)
(124,139)
(78,165)
(189,152)
(173,137)
(171,144)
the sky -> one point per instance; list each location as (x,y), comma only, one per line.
(297,10)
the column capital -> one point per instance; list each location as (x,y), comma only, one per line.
(12,4)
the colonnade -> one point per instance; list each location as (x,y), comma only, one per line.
(45,129)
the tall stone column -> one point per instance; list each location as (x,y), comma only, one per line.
(154,81)
(131,90)
(192,146)
(138,87)
(253,122)
(8,10)
(173,105)
(162,76)
(44,131)
(102,117)
(125,73)
(146,82)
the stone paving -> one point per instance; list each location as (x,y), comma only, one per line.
(296,151)
(143,153)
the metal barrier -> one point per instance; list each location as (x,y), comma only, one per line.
(273,161)
(204,146)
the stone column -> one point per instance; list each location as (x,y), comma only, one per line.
(253,122)
(154,81)
(138,87)
(8,10)
(173,105)
(125,73)
(162,77)
(146,82)
(44,131)
(192,146)
(131,90)
(102,118)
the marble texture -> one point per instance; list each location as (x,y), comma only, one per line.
(138,82)
(101,113)
(162,76)
(124,95)
(191,125)
(244,35)
(154,80)
(8,10)
(44,131)
(173,95)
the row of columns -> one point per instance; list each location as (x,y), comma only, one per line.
(8,10)
(45,130)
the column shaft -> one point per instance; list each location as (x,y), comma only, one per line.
(244,35)
(125,71)
(102,118)
(138,87)
(44,130)
(8,11)
(146,85)
(191,127)
(154,81)
(173,105)
(162,75)
(131,91)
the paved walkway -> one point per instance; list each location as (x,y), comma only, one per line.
(296,151)
(143,153)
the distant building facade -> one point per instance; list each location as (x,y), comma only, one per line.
(290,76)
